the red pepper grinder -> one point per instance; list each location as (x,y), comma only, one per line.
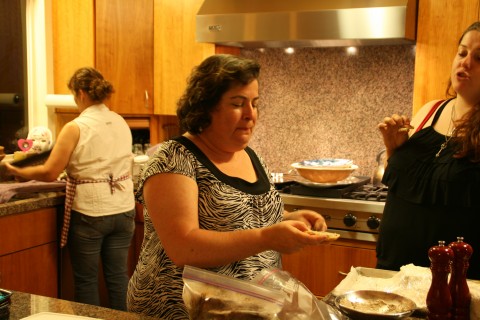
(439,300)
(459,290)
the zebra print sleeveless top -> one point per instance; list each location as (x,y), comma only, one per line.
(156,286)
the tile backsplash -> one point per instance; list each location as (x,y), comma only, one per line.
(326,103)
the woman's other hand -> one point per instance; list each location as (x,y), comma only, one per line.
(313,220)
(290,236)
(394,131)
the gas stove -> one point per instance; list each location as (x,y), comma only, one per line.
(358,188)
(368,192)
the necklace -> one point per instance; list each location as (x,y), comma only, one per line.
(449,134)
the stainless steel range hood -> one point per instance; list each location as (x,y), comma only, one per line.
(306,23)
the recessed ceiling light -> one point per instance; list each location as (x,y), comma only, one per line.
(352,50)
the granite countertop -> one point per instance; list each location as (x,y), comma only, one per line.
(25,304)
(36,201)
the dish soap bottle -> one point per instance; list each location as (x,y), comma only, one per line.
(459,290)
(439,299)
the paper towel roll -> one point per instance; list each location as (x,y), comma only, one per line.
(9,98)
(60,100)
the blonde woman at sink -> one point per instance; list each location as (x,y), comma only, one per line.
(433,169)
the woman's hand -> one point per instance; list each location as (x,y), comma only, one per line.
(394,131)
(290,236)
(313,220)
(56,162)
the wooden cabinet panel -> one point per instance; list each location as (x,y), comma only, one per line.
(227,50)
(124,52)
(29,252)
(33,270)
(176,50)
(440,24)
(27,230)
(72,39)
(321,268)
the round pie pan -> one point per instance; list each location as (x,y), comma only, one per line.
(373,305)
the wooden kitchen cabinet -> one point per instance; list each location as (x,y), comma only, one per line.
(124,52)
(440,24)
(73,35)
(29,252)
(146,48)
(321,268)
(176,51)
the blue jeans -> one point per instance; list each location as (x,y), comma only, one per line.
(108,238)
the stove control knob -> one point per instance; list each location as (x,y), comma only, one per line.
(349,220)
(373,222)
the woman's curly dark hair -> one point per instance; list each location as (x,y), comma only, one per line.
(91,81)
(467,133)
(206,85)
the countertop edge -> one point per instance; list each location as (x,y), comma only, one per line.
(41,200)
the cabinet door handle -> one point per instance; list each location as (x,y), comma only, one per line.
(146,99)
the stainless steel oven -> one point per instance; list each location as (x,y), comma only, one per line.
(351,218)
(353,208)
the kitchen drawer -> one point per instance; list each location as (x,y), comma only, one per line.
(29,252)
(33,270)
(26,230)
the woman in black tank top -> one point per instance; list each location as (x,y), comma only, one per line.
(433,169)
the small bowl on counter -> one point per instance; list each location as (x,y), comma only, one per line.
(325,170)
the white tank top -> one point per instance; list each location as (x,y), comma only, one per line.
(104,148)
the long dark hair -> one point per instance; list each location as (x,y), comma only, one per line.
(467,133)
(206,85)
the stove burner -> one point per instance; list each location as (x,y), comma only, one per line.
(362,190)
(368,192)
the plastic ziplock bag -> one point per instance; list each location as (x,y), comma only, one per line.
(209,295)
(300,303)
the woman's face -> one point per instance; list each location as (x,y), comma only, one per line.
(465,74)
(234,117)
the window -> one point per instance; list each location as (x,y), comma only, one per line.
(13,82)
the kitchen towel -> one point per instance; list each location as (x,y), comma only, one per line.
(10,190)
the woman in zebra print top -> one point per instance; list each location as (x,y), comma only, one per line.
(208,199)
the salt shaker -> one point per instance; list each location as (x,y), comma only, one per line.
(459,290)
(439,300)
